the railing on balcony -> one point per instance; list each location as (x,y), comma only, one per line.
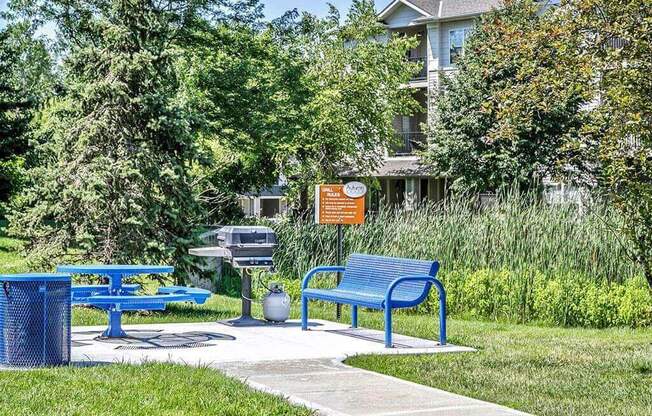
(616,43)
(423,72)
(408,142)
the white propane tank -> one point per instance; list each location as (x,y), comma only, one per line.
(276,304)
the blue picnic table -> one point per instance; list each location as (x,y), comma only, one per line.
(116,297)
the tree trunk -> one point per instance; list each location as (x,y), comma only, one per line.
(648,275)
(302,209)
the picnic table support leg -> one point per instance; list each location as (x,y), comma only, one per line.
(115,314)
(115,324)
(354,316)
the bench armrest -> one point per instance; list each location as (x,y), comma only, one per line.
(442,303)
(319,269)
(415,278)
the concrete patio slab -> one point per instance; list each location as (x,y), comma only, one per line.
(303,366)
(212,342)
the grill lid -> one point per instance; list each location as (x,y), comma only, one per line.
(246,237)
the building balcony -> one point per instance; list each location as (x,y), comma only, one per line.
(423,72)
(408,143)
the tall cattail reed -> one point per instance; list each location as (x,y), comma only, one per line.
(516,233)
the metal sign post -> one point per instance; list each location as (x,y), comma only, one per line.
(340,204)
(340,238)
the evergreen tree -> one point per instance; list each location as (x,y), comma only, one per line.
(114,182)
(26,81)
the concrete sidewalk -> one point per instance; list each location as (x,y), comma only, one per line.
(338,390)
(303,366)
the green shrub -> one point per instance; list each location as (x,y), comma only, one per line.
(525,296)
(635,306)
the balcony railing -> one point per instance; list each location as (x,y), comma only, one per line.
(423,72)
(408,142)
(616,43)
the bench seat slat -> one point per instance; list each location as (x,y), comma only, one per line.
(374,274)
(349,298)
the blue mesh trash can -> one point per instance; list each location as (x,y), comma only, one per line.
(35,319)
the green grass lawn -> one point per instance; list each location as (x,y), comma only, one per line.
(150,389)
(10,261)
(545,371)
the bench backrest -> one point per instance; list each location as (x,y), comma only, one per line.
(373,275)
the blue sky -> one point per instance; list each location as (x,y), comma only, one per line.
(275,8)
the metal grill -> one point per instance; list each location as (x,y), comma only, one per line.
(248,246)
(34,322)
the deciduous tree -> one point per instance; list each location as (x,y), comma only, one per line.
(354,78)
(510,113)
(618,43)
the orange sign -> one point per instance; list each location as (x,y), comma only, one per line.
(333,206)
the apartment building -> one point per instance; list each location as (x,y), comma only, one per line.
(265,203)
(441,27)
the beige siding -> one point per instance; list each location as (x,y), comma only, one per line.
(402,17)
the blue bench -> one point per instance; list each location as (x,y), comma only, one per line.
(378,282)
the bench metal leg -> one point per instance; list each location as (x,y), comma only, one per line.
(388,327)
(442,311)
(354,316)
(304,313)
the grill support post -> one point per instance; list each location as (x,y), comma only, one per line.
(245,319)
(246,294)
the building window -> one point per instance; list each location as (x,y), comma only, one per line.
(269,208)
(456,39)
(424,189)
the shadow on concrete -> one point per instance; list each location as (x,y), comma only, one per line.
(142,340)
(292,324)
(372,335)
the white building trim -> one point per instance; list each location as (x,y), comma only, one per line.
(389,9)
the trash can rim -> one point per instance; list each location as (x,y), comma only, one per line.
(35,277)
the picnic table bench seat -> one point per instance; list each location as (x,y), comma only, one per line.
(80,294)
(378,282)
(100,296)
(199,296)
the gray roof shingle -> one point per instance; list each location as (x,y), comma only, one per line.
(430,6)
(454,8)
(395,167)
